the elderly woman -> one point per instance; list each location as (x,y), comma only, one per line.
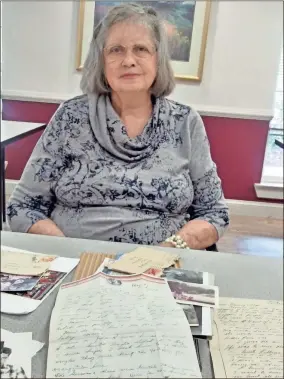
(121,162)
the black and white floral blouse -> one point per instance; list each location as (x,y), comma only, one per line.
(95,182)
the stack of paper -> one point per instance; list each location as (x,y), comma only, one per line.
(17,350)
(21,263)
(120,327)
(248,339)
(21,272)
(189,288)
(27,278)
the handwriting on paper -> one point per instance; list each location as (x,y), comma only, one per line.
(131,330)
(22,263)
(142,259)
(250,336)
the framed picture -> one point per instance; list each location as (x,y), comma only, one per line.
(186,23)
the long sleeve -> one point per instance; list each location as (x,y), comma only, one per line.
(33,198)
(208,203)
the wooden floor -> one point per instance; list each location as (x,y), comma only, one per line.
(253,236)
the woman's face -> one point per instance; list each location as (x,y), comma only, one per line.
(130,58)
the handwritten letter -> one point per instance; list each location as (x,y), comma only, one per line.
(129,330)
(141,259)
(248,339)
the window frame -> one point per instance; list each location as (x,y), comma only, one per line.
(273,174)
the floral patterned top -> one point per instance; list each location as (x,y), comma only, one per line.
(95,182)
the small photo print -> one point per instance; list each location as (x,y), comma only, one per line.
(190,313)
(46,282)
(14,283)
(197,294)
(184,275)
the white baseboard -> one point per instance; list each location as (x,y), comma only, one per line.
(236,207)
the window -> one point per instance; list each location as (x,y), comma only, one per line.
(273,161)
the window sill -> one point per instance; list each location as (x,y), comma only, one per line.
(272,174)
(269,190)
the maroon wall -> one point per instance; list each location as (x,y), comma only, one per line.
(237,146)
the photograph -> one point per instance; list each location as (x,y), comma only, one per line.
(185,22)
(187,276)
(190,313)
(14,283)
(178,19)
(46,282)
(190,293)
(10,366)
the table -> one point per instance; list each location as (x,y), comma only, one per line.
(236,275)
(12,131)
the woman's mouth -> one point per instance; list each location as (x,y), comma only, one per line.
(129,76)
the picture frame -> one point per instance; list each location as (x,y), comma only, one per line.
(186,22)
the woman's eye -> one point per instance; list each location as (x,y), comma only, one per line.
(116,49)
(142,48)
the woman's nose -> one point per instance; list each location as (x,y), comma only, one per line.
(129,59)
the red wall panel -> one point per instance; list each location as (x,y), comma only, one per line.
(237,146)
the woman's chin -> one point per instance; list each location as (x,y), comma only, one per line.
(132,87)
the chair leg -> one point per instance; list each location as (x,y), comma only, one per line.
(3,189)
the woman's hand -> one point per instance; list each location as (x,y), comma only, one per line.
(198,234)
(46,227)
(167,244)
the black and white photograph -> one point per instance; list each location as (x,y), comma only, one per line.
(10,366)
(187,276)
(190,293)
(190,313)
(17,283)
(17,350)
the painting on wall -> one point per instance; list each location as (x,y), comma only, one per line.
(186,23)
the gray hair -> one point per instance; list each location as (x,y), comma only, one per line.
(94,80)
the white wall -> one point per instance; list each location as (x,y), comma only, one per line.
(242,56)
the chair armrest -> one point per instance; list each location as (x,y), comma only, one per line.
(212,247)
